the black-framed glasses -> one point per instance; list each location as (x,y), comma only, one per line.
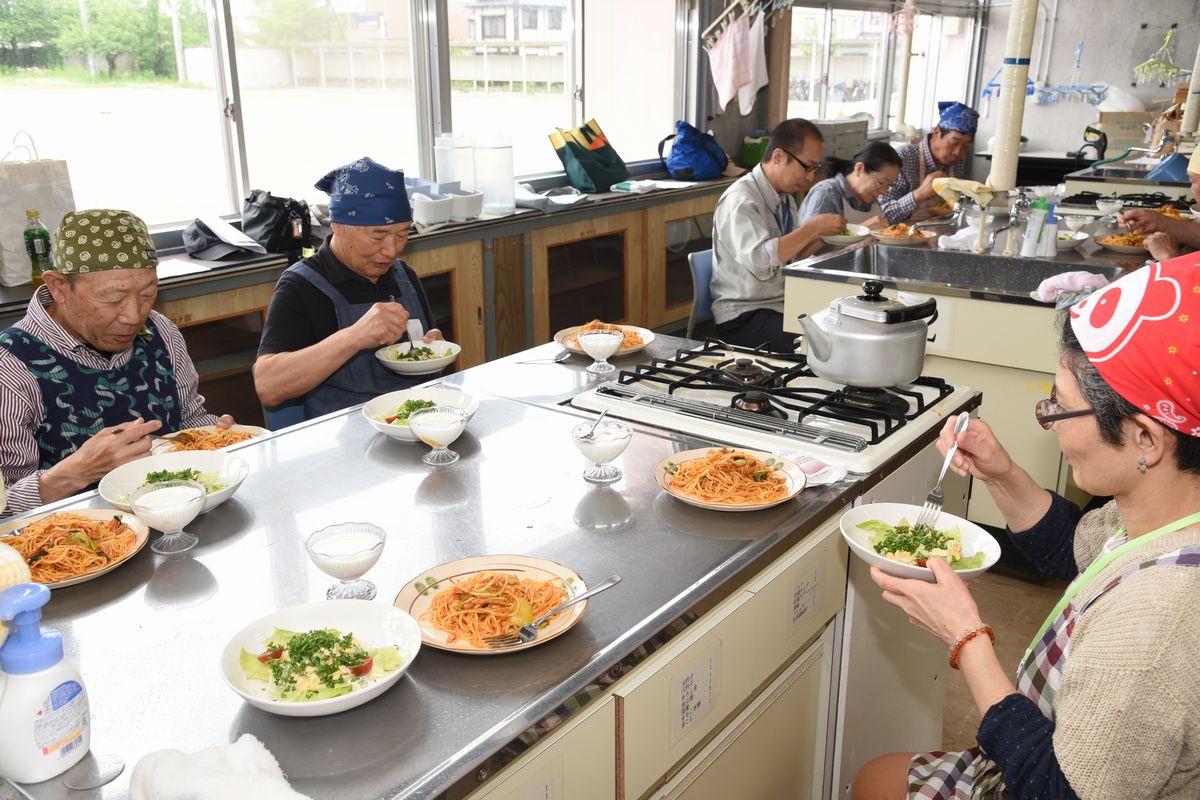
(809,168)
(1048,412)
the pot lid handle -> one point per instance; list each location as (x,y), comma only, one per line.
(873,292)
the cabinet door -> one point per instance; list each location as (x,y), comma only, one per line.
(588,270)
(776,747)
(672,232)
(453,280)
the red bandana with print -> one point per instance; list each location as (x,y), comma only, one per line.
(1141,332)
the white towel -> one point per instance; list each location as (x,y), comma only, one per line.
(758,66)
(243,769)
(729,60)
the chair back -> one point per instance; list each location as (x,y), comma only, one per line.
(701,265)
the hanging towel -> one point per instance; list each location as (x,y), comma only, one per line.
(758,66)
(729,59)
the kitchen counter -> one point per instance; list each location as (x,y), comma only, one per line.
(147,636)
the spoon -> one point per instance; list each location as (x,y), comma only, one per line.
(592,430)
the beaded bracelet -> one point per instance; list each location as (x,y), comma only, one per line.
(966,637)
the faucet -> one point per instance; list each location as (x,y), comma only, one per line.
(954,217)
(1166,139)
(1018,211)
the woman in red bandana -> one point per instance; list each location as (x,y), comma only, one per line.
(1106,702)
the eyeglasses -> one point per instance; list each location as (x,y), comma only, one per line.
(882,186)
(1048,412)
(809,168)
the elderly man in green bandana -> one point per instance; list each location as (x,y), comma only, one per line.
(91,371)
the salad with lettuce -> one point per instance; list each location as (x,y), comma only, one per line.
(208,480)
(401,414)
(316,664)
(916,544)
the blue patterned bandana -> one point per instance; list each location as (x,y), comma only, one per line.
(366,192)
(957,117)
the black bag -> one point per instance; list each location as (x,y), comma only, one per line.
(279,224)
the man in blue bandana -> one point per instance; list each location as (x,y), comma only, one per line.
(331,312)
(940,154)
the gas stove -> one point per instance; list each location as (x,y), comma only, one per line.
(1085,202)
(773,401)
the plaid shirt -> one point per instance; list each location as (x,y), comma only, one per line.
(898,203)
(21,397)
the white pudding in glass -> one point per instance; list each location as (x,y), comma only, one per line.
(438,427)
(346,554)
(169,508)
(600,344)
(607,442)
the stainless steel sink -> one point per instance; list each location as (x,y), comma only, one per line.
(965,274)
(1121,172)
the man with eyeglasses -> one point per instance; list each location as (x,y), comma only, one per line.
(755,232)
(940,154)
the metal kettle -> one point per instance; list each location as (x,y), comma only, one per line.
(868,340)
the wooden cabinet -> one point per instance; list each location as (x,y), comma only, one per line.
(587,270)
(673,231)
(453,279)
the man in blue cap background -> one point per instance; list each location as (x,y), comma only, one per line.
(940,154)
(331,312)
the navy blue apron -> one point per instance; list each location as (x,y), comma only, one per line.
(362,377)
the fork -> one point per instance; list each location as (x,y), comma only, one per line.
(527,633)
(934,500)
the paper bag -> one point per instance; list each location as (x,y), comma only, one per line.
(44,185)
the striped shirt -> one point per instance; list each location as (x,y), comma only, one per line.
(898,203)
(21,396)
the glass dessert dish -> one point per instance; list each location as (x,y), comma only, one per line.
(600,444)
(600,345)
(438,427)
(169,506)
(346,551)
(1109,209)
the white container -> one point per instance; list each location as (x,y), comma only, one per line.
(1049,246)
(1033,233)
(494,174)
(467,205)
(44,717)
(431,210)
(454,160)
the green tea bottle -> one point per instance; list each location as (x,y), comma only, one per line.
(37,244)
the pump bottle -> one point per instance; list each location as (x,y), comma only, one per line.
(44,717)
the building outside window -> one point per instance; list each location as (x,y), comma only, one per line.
(529,19)
(554,19)
(493,26)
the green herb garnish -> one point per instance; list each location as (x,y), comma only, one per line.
(164,475)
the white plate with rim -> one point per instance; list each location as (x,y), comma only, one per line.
(858,233)
(116,486)
(1128,249)
(139,528)
(375,625)
(167,443)
(386,404)
(444,352)
(904,241)
(417,595)
(664,469)
(568,341)
(1195,211)
(974,539)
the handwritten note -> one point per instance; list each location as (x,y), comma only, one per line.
(694,691)
(805,594)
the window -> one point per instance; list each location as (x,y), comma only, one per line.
(493,26)
(939,69)
(529,19)
(837,68)
(807,63)
(131,108)
(517,90)
(318,92)
(554,19)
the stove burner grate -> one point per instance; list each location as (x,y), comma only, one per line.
(1143,200)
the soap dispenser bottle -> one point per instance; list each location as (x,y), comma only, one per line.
(44,717)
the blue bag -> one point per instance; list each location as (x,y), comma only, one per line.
(695,155)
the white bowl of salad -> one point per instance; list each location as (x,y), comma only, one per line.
(423,358)
(882,534)
(220,473)
(320,658)
(389,412)
(849,234)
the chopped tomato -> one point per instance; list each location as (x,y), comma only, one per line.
(270,654)
(391,419)
(363,668)
(921,562)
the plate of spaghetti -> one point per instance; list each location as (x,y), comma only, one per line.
(459,603)
(68,547)
(636,338)
(1168,210)
(729,479)
(207,437)
(898,234)
(1123,242)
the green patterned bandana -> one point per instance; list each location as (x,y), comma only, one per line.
(102,238)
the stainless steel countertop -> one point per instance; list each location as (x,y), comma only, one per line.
(147,636)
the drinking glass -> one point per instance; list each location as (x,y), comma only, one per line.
(600,345)
(169,506)
(438,427)
(346,551)
(606,441)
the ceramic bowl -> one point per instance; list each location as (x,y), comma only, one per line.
(376,625)
(445,352)
(1069,241)
(974,539)
(116,486)
(859,232)
(385,405)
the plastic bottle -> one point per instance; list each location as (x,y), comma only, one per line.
(44,718)
(1049,245)
(37,244)
(1034,226)
(494,174)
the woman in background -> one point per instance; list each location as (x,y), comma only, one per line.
(855,186)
